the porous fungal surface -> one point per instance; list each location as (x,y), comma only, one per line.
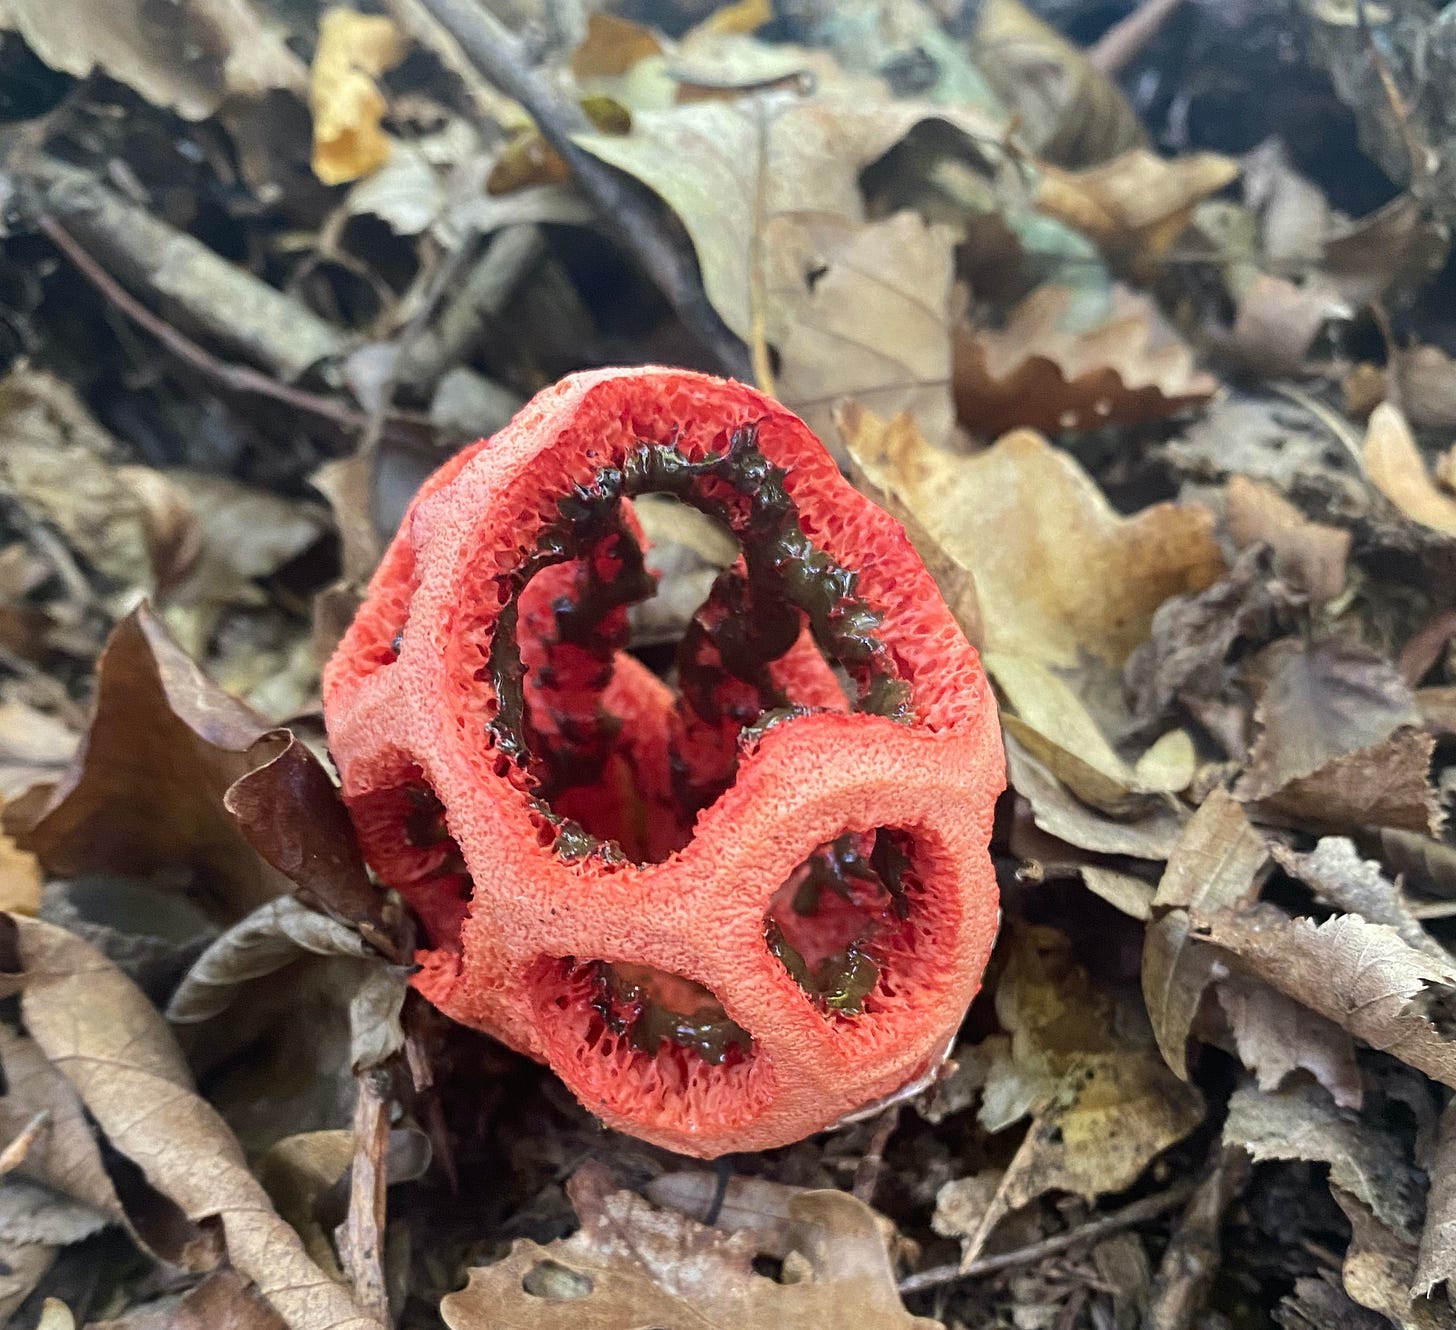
(728,906)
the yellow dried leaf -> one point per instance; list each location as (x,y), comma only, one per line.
(20,877)
(1395,467)
(1059,573)
(353,51)
(741,17)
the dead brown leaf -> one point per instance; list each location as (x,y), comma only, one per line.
(1275,1037)
(1437,1257)
(1395,467)
(1216,864)
(208,50)
(1320,703)
(1337,874)
(1358,974)
(1386,785)
(1135,206)
(1308,555)
(95,1025)
(631,1265)
(223,1301)
(1033,372)
(860,310)
(1070,112)
(146,790)
(1006,514)
(1302,1122)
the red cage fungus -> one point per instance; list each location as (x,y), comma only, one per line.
(727,910)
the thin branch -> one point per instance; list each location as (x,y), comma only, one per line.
(1150,1207)
(238,378)
(625,206)
(1192,1258)
(1124,41)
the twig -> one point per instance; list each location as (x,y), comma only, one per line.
(485,293)
(361,1236)
(238,378)
(1192,1258)
(1136,1213)
(625,206)
(1124,41)
(867,1174)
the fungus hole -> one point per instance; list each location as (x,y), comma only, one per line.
(406,837)
(843,922)
(556,1282)
(744,619)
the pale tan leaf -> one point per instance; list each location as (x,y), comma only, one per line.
(1307,554)
(1380,1268)
(110,1043)
(860,310)
(1359,975)
(20,876)
(1058,572)
(1217,863)
(1136,205)
(632,1266)
(189,63)
(1275,1037)
(1152,834)
(1301,1121)
(1395,467)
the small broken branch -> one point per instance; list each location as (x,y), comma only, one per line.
(1150,1207)
(361,1236)
(1192,1258)
(212,297)
(626,208)
(1125,40)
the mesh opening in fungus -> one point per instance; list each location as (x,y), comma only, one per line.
(612,758)
(404,834)
(843,925)
(638,1036)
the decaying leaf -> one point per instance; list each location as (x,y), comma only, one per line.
(1275,1037)
(1359,975)
(145,792)
(1380,1268)
(1321,703)
(1437,1258)
(1308,555)
(862,311)
(1136,205)
(792,165)
(631,1266)
(1054,725)
(1151,834)
(20,876)
(1395,467)
(1216,864)
(223,1301)
(111,1044)
(1035,372)
(1070,112)
(1303,1122)
(1337,874)
(1103,1104)
(191,61)
(1058,572)
(354,49)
